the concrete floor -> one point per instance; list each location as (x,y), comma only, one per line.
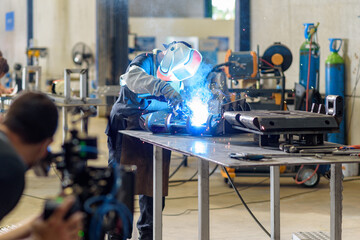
(302,209)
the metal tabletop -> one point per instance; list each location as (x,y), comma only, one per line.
(216,150)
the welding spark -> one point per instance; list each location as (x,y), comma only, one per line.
(200,111)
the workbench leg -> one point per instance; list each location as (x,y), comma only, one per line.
(157,192)
(65,123)
(203,199)
(336,201)
(275,202)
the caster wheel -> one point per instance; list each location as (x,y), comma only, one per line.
(306,173)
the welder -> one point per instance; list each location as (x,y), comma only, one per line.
(152,82)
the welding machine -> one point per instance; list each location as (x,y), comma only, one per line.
(276,59)
(244,64)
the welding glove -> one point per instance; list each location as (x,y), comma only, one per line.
(171,95)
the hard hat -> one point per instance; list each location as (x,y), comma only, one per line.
(179,63)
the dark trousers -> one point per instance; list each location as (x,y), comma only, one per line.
(145,222)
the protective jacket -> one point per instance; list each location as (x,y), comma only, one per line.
(140,93)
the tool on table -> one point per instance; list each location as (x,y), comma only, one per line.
(258,157)
(248,156)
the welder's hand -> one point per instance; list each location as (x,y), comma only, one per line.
(172,96)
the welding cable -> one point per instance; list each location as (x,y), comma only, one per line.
(264,61)
(304,181)
(178,167)
(217,67)
(244,203)
(220,193)
(181,182)
(108,204)
(36,197)
(191,178)
(56,173)
(240,204)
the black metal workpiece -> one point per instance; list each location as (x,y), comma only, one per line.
(306,128)
(284,121)
(163,122)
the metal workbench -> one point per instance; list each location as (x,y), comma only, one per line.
(216,150)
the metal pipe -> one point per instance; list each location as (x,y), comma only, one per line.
(242,25)
(30,25)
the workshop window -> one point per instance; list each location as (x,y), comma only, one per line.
(223,9)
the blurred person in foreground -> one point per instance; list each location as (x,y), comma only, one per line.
(25,133)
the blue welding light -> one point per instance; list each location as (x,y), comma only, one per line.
(200,147)
(199,110)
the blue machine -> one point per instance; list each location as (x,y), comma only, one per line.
(335,83)
(310,39)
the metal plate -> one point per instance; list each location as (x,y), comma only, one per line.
(217,149)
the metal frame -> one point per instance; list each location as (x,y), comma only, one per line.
(157,192)
(83,82)
(275,202)
(203,187)
(26,77)
(336,202)
(203,200)
(67,101)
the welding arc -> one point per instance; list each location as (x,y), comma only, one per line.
(244,203)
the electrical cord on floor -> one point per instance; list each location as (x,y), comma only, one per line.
(215,194)
(187,211)
(218,194)
(56,172)
(178,167)
(244,203)
(36,197)
(181,182)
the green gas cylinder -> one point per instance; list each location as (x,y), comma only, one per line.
(335,82)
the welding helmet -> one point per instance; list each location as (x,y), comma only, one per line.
(179,63)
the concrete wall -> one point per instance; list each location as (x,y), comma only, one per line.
(162,28)
(13,44)
(281,20)
(59,25)
(166,8)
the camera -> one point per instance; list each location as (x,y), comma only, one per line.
(104,194)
